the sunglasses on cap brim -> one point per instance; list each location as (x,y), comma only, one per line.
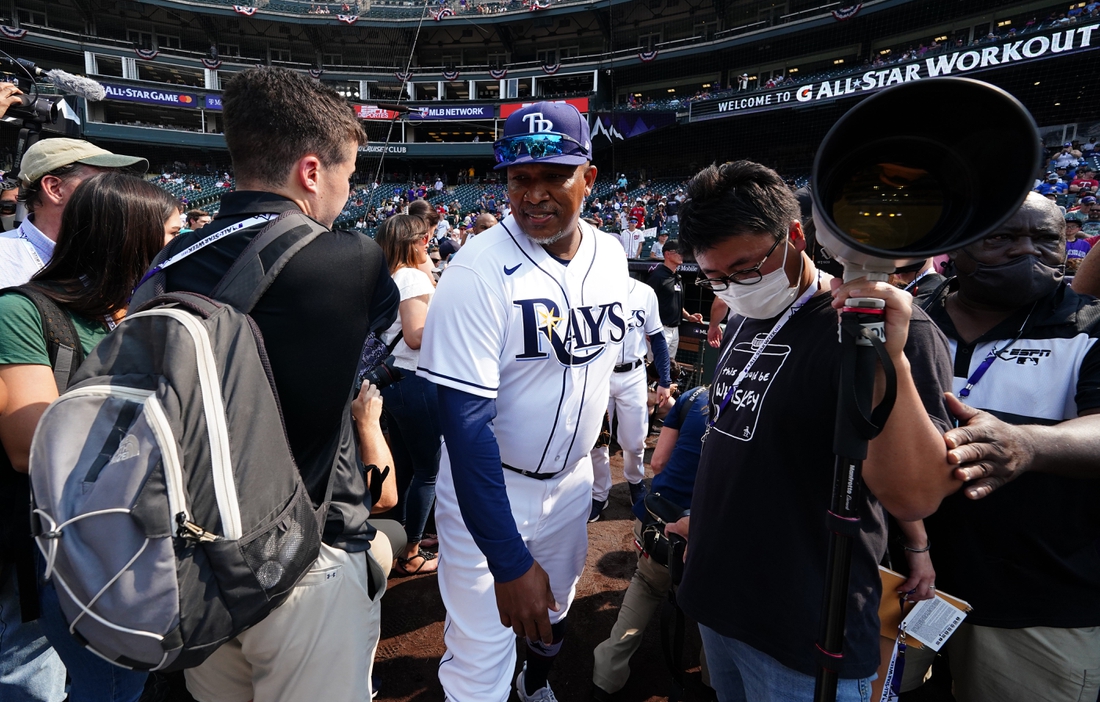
(541,145)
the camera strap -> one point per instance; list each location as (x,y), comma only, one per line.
(757,352)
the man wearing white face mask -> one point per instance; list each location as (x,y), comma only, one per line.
(766,468)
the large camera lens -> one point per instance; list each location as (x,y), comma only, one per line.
(889,205)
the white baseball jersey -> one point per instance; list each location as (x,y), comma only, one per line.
(631,240)
(510,322)
(644,320)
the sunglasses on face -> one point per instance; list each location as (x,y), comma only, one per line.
(7,208)
(510,149)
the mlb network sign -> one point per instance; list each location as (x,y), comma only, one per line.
(984,57)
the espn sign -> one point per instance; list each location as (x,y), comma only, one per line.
(373,112)
(580,103)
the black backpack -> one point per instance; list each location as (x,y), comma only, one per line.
(16,546)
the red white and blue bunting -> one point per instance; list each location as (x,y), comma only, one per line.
(539,5)
(212,64)
(147,54)
(403,77)
(443,12)
(12,32)
(551,69)
(348,19)
(244,10)
(450,75)
(849,12)
(316,72)
(647,56)
(497,74)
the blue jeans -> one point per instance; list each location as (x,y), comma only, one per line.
(30,670)
(92,678)
(412,407)
(739,672)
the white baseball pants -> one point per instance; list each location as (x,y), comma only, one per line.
(628,403)
(552,517)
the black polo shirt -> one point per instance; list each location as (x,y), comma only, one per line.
(1026,555)
(314,320)
(670,295)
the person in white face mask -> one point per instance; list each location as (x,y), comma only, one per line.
(766,467)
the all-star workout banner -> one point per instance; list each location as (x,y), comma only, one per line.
(1039,46)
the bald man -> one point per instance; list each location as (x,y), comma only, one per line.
(483,222)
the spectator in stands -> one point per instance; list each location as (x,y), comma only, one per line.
(1076,245)
(111,228)
(50,171)
(751,471)
(631,239)
(1085,183)
(411,404)
(293,142)
(1052,186)
(1019,541)
(196,219)
(1090,148)
(1065,157)
(674,464)
(657,251)
(9,203)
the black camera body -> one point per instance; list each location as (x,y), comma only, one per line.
(383,375)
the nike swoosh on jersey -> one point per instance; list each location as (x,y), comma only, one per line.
(513,269)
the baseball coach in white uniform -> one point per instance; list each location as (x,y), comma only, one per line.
(524,330)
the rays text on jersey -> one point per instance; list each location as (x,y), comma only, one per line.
(576,337)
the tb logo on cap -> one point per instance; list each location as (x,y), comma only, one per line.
(536,123)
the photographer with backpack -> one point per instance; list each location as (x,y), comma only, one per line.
(293,143)
(111,229)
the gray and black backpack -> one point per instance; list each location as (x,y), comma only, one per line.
(167,502)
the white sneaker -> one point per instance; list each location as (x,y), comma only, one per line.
(543,694)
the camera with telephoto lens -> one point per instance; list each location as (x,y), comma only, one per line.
(383,375)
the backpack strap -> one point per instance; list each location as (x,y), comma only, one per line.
(264,258)
(66,354)
(690,402)
(62,342)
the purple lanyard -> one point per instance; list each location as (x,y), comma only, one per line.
(805,297)
(991,357)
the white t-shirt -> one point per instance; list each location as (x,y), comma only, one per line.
(411,282)
(657,250)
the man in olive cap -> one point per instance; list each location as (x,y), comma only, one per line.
(49,173)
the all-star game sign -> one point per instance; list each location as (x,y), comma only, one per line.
(1040,46)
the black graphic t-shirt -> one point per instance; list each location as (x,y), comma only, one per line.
(759,541)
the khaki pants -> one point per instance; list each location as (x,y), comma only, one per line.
(318,645)
(648,588)
(1037,664)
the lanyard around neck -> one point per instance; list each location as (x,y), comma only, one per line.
(992,356)
(779,324)
(203,243)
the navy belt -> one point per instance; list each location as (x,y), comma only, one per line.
(529,474)
(627,367)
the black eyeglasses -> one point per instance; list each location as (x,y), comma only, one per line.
(539,145)
(748,276)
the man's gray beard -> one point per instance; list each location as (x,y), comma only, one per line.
(551,240)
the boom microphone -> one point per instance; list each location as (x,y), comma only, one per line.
(77,85)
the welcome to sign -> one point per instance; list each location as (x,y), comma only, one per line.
(1037,47)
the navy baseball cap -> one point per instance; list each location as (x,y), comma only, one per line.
(545,132)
